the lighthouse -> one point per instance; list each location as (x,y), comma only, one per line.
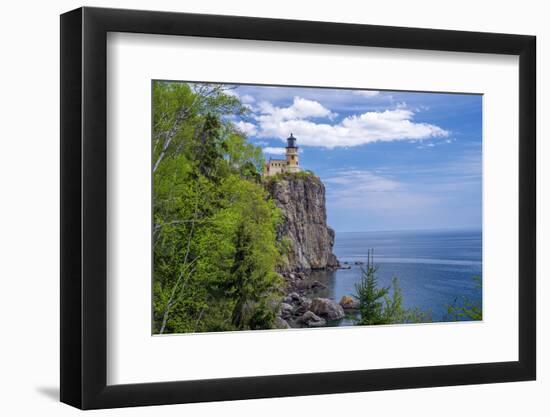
(292,162)
(289,165)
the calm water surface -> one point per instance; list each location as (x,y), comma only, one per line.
(435,268)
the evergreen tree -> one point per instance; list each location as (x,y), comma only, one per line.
(383,305)
(214,243)
(370,296)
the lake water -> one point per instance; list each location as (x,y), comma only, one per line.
(435,268)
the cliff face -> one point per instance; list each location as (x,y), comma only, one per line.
(302,201)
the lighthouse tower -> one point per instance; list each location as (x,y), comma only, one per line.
(292,161)
(282,166)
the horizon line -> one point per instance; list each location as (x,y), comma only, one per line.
(480,229)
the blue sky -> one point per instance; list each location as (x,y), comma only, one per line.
(390,160)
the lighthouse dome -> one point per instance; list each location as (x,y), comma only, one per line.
(291,141)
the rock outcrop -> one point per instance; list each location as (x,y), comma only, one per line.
(300,311)
(324,307)
(310,319)
(301,199)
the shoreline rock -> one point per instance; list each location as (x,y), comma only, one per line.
(281,323)
(298,310)
(349,303)
(310,319)
(327,308)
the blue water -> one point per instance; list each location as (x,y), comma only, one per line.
(435,268)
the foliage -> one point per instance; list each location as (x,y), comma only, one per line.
(469,310)
(215,248)
(383,305)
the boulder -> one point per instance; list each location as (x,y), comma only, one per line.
(349,303)
(310,319)
(294,296)
(303,305)
(317,284)
(325,307)
(302,285)
(281,324)
(286,310)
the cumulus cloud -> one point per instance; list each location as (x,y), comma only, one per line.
(274,151)
(354,130)
(316,125)
(249,129)
(301,108)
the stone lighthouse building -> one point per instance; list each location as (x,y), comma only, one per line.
(288,165)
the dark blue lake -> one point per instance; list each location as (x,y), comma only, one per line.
(435,268)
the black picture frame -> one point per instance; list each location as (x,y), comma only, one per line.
(84,207)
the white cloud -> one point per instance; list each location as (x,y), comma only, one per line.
(274,151)
(301,108)
(361,189)
(434,144)
(366,93)
(249,129)
(388,125)
(231,92)
(247,99)
(354,182)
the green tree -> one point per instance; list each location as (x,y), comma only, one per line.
(252,279)
(371,306)
(393,304)
(469,309)
(383,305)
(214,243)
(179,108)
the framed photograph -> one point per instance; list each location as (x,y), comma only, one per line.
(257,208)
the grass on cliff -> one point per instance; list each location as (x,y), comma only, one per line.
(291,176)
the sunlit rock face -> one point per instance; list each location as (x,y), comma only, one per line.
(302,202)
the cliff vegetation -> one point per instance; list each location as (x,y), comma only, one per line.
(214,226)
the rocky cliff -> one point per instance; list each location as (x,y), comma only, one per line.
(302,201)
